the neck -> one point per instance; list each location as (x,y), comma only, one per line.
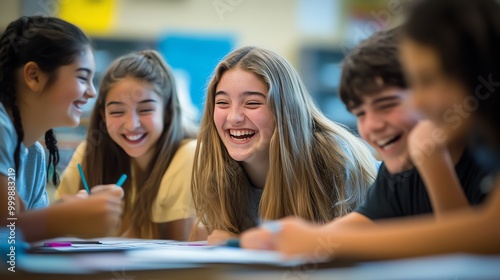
(139,173)
(257,172)
(140,165)
(32,122)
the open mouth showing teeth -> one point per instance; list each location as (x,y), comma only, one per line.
(135,137)
(241,135)
(389,143)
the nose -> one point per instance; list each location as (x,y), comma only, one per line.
(373,122)
(235,115)
(91,92)
(132,121)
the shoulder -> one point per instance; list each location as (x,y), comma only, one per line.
(182,161)
(80,151)
(184,154)
(36,154)
(36,150)
(176,180)
(187,147)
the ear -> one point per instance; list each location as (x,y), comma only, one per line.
(34,77)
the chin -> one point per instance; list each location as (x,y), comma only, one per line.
(73,121)
(398,165)
(67,123)
(238,157)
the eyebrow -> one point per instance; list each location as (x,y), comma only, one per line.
(246,93)
(84,69)
(376,101)
(140,102)
(386,98)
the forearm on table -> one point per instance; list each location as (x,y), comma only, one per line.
(468,230)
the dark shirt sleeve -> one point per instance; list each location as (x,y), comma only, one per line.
(473,177)
(381,201)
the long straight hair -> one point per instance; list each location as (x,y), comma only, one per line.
(318,169)
(102,152)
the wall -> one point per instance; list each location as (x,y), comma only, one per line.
(270,24)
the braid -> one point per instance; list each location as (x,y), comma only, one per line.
(7,90)
(50,43)
(51,143)
(19,130)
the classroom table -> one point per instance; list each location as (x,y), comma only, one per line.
(118,265)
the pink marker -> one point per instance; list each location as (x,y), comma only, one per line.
(57,244)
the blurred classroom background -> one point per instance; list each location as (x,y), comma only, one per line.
(193,35)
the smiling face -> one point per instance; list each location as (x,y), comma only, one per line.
(242,116)
(440,98)
(71,90)
(384,121)
(134,118)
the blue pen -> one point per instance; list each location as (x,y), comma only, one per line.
(83,178)
(233,243)
(121,180)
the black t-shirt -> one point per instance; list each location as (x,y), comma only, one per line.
(404,194)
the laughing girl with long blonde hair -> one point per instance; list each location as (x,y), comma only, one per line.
(265,150)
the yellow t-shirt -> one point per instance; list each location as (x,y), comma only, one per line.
(174,200)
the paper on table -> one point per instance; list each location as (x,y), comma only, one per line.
(107,244)
(219,255)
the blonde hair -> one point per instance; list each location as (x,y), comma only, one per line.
(102,152)
(318,169)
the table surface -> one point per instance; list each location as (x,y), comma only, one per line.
(113,266)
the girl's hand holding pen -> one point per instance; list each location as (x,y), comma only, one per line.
(99,188)
(92,213)
(102,189)
(97,215)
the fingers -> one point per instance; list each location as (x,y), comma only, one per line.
(109,210)
(111,189)
(82,194)
(257,238)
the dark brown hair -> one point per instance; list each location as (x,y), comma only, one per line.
(466,36)
(50,43)
(371,67)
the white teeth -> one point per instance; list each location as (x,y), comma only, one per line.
(385,141)
(241,132)
(133,137)
(247,134)
(388,146)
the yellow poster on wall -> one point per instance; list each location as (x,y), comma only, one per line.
(95,17)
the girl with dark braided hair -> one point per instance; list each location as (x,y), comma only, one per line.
(46,71)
